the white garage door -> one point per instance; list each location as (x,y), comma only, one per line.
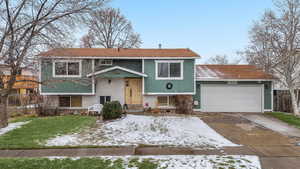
(231,98)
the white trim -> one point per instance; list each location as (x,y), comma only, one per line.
(187,93)
(272,95)
(101,57)
(79,94)
(117,67)
(263,97)
(195,78)
(196,109)
(213,79)
(169,61)
(268,110)
(93,78)
(67,61)
(143,79)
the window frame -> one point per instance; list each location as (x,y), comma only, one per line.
(105,99)
(169,61)
(67,63)
(168,102)
(70,100)
(105,64)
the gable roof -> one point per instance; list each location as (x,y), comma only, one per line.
(231,72)
(119,53)
(117,68)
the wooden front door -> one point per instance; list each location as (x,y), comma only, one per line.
(133,91)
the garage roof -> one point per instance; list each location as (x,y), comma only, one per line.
(231,72)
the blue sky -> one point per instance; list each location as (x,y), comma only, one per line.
(209,27)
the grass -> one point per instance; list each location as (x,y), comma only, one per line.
(82,163)
(285,117)
(41,129)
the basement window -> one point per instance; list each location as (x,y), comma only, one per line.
(70,101)
(166,101)
(104,99)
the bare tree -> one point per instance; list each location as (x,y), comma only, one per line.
(274,45)
(29,25)
(108,28)
(222,60)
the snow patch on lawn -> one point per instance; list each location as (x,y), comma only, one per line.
(150,130)
(188,161)
(12,126)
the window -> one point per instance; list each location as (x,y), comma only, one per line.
(104,99)
(169,70)
(70,101)
(166,101)
(67,68)
(105,62)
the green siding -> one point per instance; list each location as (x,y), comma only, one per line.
(132,64)
(179,86)
(267,91)
(116,74)
(65,85)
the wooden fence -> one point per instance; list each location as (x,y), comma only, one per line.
(282,101)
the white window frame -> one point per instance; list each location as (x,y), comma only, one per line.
(106,64)
(67,61)
(169,78)
(167,106)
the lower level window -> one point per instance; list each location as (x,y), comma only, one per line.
(104,99)
(70,101)
(166,101)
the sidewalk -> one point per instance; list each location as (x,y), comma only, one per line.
(273,124)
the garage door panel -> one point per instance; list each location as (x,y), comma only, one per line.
(231,98)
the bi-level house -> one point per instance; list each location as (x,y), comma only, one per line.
(77,78)
(80,77)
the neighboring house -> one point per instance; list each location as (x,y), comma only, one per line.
(233,88)
(77,78)
(26,77)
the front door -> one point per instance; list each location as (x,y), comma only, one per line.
(133,91)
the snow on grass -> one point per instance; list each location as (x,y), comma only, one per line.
(12,126)
(148,130)
(187,161)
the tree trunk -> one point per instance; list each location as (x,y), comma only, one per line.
(3,112)
(294,102)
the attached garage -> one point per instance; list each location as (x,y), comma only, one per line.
(233,88)
(231,98)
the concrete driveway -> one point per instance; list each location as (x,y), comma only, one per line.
(272,146)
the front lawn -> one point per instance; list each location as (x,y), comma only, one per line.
(135,162)
(286,117)
(40,129)
(180,131)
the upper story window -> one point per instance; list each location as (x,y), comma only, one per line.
(105,62)
(67,69)
(169,70)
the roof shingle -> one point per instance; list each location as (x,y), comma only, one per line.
(219,72)
(118,52)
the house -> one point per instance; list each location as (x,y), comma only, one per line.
(76,78)
(80,77)
(25,80)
